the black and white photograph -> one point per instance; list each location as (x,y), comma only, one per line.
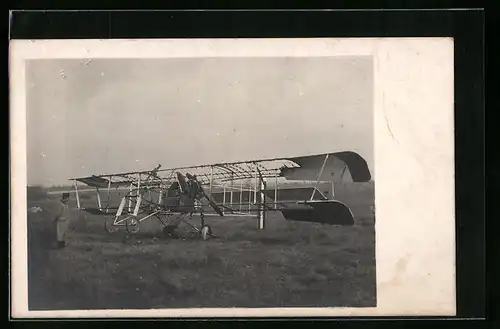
(200,182)
(208,182)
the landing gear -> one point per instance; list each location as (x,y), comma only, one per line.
(206,231)
(132,225)
(203,231)
(109,225)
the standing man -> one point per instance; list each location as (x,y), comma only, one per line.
(62,219)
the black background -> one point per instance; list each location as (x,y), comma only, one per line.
(465,26)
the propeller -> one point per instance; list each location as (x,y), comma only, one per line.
(211,202)
(182,182)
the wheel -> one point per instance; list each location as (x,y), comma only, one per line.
(206,231)
(132,225)
(109,225)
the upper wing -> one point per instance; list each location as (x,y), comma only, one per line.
(338,165)
(98,181)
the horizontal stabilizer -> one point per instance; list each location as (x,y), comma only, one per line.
(326,212)
(336,166)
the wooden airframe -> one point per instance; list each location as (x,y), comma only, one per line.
(245,188)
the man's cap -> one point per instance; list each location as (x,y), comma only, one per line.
(65,195)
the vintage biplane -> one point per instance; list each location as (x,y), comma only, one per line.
(246,188)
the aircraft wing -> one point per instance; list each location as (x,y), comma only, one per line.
(98,181)
(339,165)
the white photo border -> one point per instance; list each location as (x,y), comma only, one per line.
(414,165)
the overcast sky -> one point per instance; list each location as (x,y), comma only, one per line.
(104,116)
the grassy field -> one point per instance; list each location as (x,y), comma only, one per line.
(289,264)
